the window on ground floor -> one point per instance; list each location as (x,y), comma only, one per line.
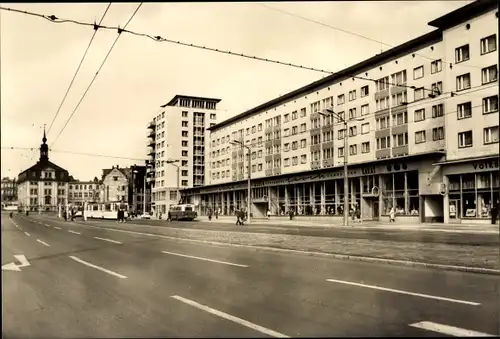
(473,195)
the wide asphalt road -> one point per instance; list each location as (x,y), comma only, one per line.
(424,236)
(82,281)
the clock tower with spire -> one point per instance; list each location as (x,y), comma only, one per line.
(44,186)
(44,148)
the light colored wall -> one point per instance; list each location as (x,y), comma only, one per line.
(480,27)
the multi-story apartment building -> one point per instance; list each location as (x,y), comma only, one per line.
(177,140)
(9,190)
(43,186)
(81,191)
(421,123)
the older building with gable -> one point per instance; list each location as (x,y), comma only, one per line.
(44,185)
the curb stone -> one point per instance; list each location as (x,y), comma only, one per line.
(320,254)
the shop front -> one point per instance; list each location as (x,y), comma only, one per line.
(473,190)
(373,190)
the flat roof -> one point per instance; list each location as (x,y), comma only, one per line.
(346,73)
(464,13)
(180,96)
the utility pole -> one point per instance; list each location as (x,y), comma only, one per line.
(249,180)
(329,112)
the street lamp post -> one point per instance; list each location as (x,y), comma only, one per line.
(174,163)
(346,174)
(249,193)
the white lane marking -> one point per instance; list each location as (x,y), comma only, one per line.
(318,254)
(449,330)
(405,292)
(205,259)
(98,267)
(74,232)
(27,234)
(109,240)
(57,228)
(43,242)
(47,225)
(231,318)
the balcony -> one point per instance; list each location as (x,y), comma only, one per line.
(151,125)
(152,134)
(152,152)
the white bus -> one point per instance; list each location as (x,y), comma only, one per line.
(105,210)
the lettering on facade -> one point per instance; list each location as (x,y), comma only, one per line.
(486,165)
(368,170)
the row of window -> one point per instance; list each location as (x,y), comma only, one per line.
(197,103)
(464,110)
(488,75)
(487,45)
(490,136)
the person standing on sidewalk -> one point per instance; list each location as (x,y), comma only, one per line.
(494,214)
(268,214)
(392,217)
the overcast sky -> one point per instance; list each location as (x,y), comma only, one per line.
(39,58)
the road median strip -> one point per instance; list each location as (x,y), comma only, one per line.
(440,256)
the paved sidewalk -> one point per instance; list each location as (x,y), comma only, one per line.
(463,227)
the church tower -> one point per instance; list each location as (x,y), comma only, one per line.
(44,148)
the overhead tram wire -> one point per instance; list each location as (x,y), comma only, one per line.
(157,38)
(76,72)
(96,27)
(353,33)
(73,153)
(120,30)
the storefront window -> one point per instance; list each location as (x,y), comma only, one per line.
(387,193)
(399,194)
(413,196)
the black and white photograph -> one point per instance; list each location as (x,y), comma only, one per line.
(250,169)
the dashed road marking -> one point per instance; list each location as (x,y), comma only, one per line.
(74,232)
(47,225)
(205,259)
(121,276)
(57,228)
(109,240)
(231,318)
(449,330)
(43,242)
(27,234)
(405,292)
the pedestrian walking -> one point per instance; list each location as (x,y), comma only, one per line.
(494,214)
(210,214)
(169,216)
(391,215)
(268,214)
(216,213)
(239,217)
(290,214)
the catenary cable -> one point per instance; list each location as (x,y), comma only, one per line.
(157,38)
(96,74)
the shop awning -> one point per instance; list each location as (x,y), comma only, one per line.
(459,161)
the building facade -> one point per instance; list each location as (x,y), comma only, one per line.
(420,121)
(177,138)
(115,184)
(139,198)
(44,185)
(81,191)
(9,190)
